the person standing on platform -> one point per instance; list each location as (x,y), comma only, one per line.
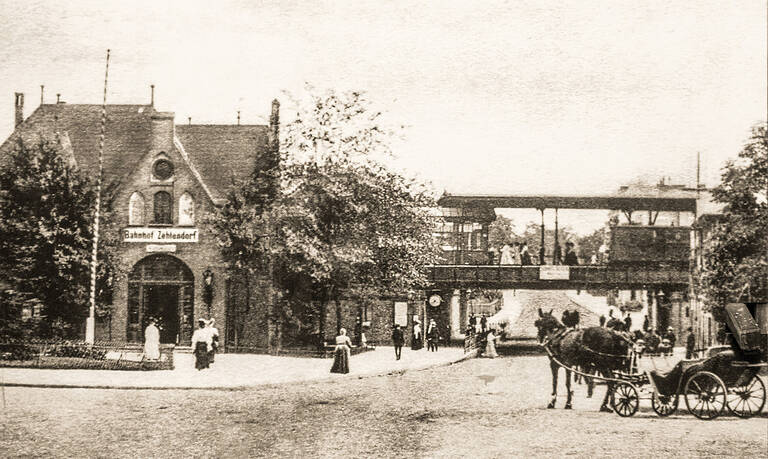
(516,254)
(398,339)
(558,256)
(571,259)
(690,344)
(417,338)
(214,339)
(152,341)
(201,345)
(525,257)
(506,255)
(542,254)
(342,353)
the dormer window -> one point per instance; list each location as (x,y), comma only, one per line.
(163,208)
(162,170)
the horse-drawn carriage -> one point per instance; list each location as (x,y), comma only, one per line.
(729,378)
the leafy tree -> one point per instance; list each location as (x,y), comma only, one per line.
(532,235)
(589,245)
(501,231)
(735,254)
(46,210)
(342,224)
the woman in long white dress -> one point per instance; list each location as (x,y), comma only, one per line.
(490,346)
(506,255)
(152,341)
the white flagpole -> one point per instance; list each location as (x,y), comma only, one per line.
(90,324)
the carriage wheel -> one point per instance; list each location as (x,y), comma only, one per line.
(664,405)
(705,395)
(747,400)
(625,400)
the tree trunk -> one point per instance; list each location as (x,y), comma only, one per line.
(338,315)
(323,309)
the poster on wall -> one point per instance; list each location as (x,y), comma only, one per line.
(401,313)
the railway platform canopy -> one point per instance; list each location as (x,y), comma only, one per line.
(623,202)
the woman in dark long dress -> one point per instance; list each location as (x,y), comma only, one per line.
(418,340)
(201,345)
(342,353)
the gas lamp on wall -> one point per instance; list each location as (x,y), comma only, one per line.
(208,289)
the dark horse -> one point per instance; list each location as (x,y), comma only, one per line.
(595,350)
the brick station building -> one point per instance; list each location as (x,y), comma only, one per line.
(163,179)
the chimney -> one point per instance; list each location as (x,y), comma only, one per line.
(238,117)
(162,131)
(19,106)
(189,121)
(58,98)
(42,91)
(152,96)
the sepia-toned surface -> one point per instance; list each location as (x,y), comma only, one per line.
(443,412)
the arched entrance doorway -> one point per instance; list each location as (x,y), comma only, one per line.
(161,287)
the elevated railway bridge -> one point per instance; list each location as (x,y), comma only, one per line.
(654,259)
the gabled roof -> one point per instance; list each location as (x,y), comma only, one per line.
(128,134)
(222,154)
(218,155)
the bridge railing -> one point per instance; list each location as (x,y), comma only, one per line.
(501,275)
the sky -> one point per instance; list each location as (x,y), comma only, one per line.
(519,97)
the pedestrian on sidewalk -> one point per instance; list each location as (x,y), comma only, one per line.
(432,336)
(690,344)
(417,338)
(483,323)
(490,345)
(201,345)
(214,339)
(398,339)
(152,341)
(342,353)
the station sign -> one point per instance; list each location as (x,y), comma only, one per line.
(162,235)
(161,248)
(554,272)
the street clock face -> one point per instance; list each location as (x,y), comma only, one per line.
(435,300)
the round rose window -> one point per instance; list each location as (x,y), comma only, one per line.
(163,169)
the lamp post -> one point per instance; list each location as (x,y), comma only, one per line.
(208,290)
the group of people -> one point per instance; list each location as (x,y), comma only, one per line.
(518,254)
(205,342)
(477,324)
(343,349)
(648,340)
(485,334)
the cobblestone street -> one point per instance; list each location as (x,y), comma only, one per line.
(477,408)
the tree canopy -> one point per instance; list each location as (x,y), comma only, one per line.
(46,210)
(342,222)
(735,254)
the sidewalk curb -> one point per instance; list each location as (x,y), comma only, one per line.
(241,387)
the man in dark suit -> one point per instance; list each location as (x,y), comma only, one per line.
(398,340)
